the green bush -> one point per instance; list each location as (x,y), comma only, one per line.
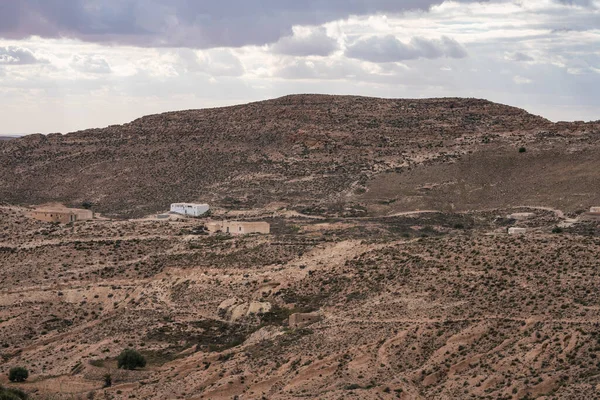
(18,374)
(12,394)
(107,380)
(131,359)
(522,150)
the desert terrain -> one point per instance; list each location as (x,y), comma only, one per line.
(389,225)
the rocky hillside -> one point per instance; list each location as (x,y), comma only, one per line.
(312,152)
(414,307)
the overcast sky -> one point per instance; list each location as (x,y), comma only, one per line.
(73,64)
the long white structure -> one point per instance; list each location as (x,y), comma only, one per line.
(517,231)
(190,209)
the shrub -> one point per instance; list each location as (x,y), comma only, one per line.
(12,394)
(522,150)
(131,359)
(557,229)
(107,380)
(18,374)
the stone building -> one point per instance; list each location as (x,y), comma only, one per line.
(61,215)
(239,227)
(300,320)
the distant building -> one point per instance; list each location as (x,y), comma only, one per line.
(190,209)
(238,227)
(300,320)
(517,231)
(595,210)
(61,215)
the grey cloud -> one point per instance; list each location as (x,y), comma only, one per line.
(383,49)
(317,43)
(11,55)
(182,23)
(521,57)
(581,3)
(90,64)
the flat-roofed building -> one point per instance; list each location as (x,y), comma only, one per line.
(239,227)
(190,209)
(61,215)
(517,231)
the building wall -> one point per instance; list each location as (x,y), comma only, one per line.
(193,210)
(517,231)
(300,320)
(82,215)
(61,215)
(54,216)
(238,227)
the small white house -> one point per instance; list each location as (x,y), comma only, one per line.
(190,209)
(517,231)
(595,210)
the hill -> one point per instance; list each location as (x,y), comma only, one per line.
(310,152)
(441,303)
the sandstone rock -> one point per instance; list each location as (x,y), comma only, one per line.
(256,307)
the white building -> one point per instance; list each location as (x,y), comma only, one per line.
(517,231)
(193,210)
(595,210)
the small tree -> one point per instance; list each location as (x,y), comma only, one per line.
(131,359)
(522,150)
(18,374)
(107,380)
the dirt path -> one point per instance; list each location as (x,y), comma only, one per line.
(340,321)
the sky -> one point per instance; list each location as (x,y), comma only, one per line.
(67,65)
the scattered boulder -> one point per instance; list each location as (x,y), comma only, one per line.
(238,312)
(227,305)
(257,307)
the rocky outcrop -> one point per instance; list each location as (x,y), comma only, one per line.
(234,309)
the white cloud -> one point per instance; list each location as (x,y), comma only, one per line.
(216,62)
(90,64)
(314,42)
(14,55)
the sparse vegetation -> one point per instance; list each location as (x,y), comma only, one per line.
(435,304)
(130,359)
(18,374)
(12,394)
